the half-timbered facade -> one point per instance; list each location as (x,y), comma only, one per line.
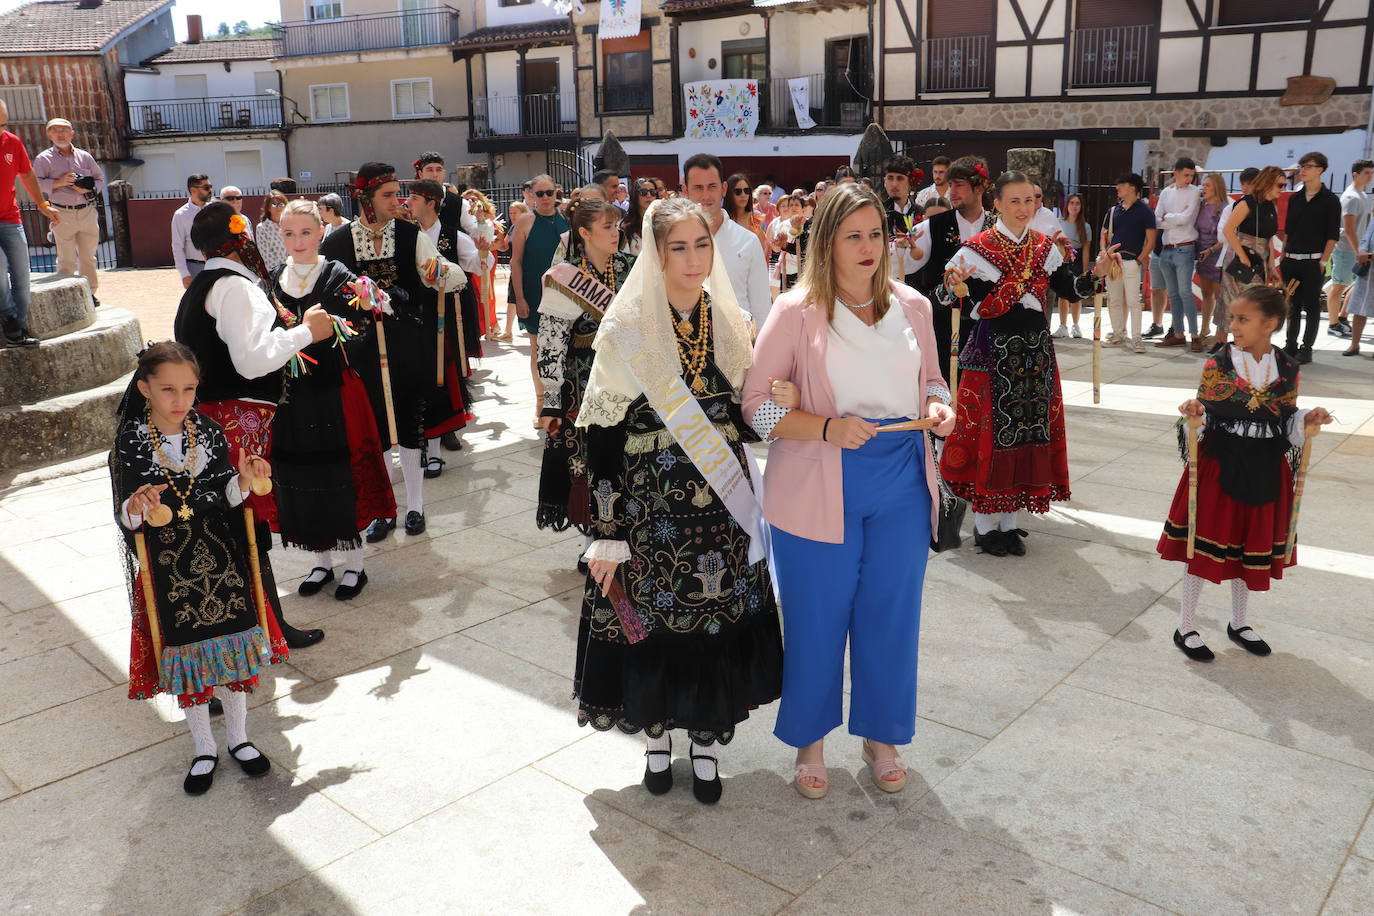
(1112,84)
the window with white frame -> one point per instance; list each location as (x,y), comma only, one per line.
(329,102)
(410,98)
(325,9)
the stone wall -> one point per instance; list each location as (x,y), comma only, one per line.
(1346,111)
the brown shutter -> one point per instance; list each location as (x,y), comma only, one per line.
(1102,14)
(1250,12)
(957,18)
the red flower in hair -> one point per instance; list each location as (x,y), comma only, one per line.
(416,165)
(918,176)
(982,171)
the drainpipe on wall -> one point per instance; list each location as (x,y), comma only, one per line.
(1369,127)
(285,132)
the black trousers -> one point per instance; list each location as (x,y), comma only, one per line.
(1306,299)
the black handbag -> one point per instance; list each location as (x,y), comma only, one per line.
(1247,273)
(947,534)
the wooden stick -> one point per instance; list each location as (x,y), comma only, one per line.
(145,576)
(954,351)
(439,361)
(386,383)
(904,425)
(461,334)
(259,597)
(1193,424)
(1097,349)
(1297,494)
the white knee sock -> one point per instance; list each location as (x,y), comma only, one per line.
(433,448)
(352,566)
(1008,521)
(323,560)
(1192,590)
(705,769)
(658,762)
(983,522)
(236,720)
(414,478)
(1240,606)
(198,718)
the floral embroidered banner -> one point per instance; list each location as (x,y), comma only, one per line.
(721,109)
(619,19)
(800,90)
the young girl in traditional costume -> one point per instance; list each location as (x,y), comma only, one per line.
(679,624)
(332,480)
(576,295)
(201,625)
(1007,451)
(1251,436)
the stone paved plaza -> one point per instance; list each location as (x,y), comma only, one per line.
(426,757)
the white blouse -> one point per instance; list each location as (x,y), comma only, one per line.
(875,371)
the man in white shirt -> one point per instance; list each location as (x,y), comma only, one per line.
(939,170)
(1355,210)
(1176,215)
(424,201)
(73,181)
(740,250)
(1044,221)
(188,259)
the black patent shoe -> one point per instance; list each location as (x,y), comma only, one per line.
(346,592)
(706,791)
(300,639)
(199,785)
(215,706)
(1200,654)
(450,442)
(1012,541)
(659,783)
(415,523)
(380,529)
(1304,355)
(991,543)
(1253,646)
(254,767)
(312,587)
(434,467)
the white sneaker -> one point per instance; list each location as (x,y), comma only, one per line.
(1113,340)
(1060,331)
(1139,345)
(1076,332)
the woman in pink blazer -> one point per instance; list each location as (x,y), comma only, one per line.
(846,352)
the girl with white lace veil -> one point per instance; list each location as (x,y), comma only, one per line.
(679,624)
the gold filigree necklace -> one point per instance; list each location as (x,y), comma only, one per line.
(693,349)
(166,466)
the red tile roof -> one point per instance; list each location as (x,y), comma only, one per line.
(62,27)
(220,49)
(509,36)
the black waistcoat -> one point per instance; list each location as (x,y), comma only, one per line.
(219,380)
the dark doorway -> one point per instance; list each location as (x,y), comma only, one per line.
(539,105)
(1100,164)
(846,82)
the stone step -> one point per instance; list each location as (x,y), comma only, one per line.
(61,428)
(59,305)
(87,358)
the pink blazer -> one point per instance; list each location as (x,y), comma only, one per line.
(803,487)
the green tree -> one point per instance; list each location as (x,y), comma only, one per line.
(241,27)
(223,30)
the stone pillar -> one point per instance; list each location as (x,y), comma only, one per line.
(120,192)
(874,150)
(1038,164)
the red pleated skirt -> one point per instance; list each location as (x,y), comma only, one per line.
(247,427)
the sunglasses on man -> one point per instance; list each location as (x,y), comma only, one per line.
(231,197)
(545,193)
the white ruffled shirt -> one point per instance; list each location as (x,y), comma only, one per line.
(244,318)
(982,270)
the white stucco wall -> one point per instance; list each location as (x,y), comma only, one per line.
(237,81)
(166,165)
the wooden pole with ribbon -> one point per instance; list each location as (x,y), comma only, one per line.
(386,383)
(1297,494)
(145,577)
(439,358)
(1193,424)
(1097,349)
(460,332)
(954,350)
(261,486)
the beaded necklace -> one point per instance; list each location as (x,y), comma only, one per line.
(166,466)
(691,348)
(608,277)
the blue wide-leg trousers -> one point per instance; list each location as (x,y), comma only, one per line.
(866,591)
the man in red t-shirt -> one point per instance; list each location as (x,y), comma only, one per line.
(14,247)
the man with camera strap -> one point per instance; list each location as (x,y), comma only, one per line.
(72,181)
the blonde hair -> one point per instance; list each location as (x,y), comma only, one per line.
(818,270)
(1218,186)
(302,207)
(668,213)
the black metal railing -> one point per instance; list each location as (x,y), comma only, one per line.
(203,116)
(830,103)
(375,32)
(959,64)
(614,99)
(544,114)
(43,250)
(1122,55)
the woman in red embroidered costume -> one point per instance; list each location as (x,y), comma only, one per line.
(1248,399)
(200,625)
(1007,451)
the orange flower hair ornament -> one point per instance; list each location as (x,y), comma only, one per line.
(241,244)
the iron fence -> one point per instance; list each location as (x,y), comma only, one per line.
(42,248)
(1121,55)
(958,64)
(614,99)
(376,32)
(543,114)
(207,115)
(778,112)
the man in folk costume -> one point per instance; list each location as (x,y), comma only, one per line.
(945,232)
(404,262)
(1007,451)
(449,407)
(454,210)
(900,175)
(227,321)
